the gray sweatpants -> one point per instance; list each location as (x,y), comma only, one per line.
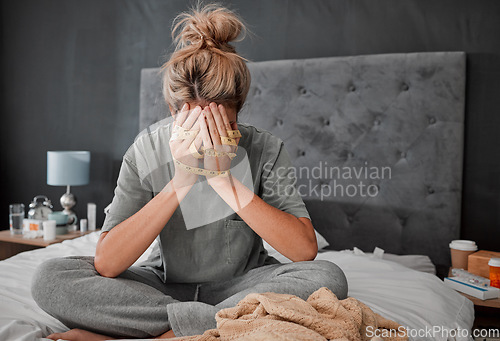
(138,304)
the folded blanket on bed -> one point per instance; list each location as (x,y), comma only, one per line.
(272,316)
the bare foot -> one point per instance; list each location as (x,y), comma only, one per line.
(168,335)
(79,335)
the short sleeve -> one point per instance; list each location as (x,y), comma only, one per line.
(130,196)
(278,185)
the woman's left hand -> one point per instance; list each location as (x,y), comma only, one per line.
(215,125)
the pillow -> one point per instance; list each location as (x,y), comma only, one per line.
(416,262)
(322,243)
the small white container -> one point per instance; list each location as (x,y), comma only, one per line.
(49,230)
(91,216)
(83,225)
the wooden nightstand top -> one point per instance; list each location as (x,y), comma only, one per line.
(5,236)
(492,303)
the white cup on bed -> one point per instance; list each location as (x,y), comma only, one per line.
(49,229)
(460,251)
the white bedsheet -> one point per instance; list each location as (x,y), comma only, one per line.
(415,299)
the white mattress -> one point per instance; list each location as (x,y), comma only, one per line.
(415,299)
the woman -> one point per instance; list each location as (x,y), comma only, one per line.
(201,266)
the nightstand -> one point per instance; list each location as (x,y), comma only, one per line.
(487,312)
(11,245)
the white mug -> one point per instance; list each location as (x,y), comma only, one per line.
(49,230)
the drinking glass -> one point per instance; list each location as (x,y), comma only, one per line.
(16,217)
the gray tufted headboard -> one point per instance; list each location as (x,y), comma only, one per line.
(377,142)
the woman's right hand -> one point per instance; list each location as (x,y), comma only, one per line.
(136,233)
(189,120)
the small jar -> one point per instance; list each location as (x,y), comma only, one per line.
(494,264)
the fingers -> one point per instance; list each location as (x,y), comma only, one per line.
(55,337)
(214,123)
(181,117)
(190,123)
(205,135)
(198,140)
(234,126)
(225,119)
(219,121)
(188,140)
(192,118)
(212,127)
(208,138)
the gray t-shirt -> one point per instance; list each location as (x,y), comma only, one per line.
(222,248)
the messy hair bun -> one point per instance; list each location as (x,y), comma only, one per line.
(205,66)
(209,27)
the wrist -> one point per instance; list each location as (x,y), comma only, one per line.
(219,181)
(183,182)
(233,192)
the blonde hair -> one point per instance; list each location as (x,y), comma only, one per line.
(204,66)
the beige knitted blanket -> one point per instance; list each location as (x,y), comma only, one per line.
(272,316)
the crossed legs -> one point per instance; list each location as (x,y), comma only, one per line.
(138,304)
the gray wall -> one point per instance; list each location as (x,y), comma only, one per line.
(70,79)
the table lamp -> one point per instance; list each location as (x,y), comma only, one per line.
(68,168)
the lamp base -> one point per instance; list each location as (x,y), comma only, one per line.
(68,200)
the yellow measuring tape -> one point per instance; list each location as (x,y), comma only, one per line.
(200,171)
(209,152)
(180,133)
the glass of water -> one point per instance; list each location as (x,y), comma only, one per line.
(16,217)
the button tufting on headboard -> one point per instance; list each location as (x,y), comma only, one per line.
(366,114)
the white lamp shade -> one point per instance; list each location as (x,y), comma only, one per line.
(68,168)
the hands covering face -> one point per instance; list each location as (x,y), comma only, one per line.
(203,134)
(217,134)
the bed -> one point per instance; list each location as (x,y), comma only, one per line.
(404,112)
